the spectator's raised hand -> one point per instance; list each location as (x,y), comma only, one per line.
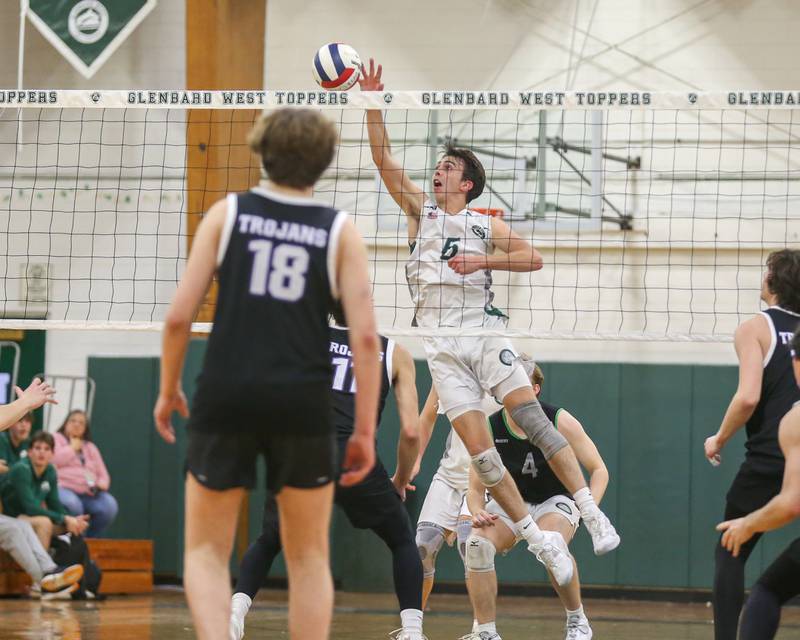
(37,394)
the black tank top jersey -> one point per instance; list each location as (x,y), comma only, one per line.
(778,393)
(526,463)
(275,291)
(343,398)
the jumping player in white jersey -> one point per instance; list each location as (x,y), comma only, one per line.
(449,273)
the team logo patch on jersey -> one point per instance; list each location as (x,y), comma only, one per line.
(479,231)
(431,212)
(507,357)
(564,507)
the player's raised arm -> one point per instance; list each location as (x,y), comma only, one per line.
(200,268)
(516,254)
(586,452)
(405,193)
(356,294)
(405,392)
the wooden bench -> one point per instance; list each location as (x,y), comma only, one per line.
(127,567)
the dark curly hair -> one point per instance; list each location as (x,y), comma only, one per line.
(783,278)
(473,169)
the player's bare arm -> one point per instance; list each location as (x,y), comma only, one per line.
(200,269)
(405,393)
(515,254)
(39,392)
(784,507)
(476,502)
(356,294)
(749,340)
(586,452)
(408,195)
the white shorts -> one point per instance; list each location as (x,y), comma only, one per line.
(442,504)
(562,505)
(465,369)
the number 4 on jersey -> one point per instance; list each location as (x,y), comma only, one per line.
(530,466)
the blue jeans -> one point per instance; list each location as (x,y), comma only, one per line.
(102,508)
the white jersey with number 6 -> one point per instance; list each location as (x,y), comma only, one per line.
(442,297)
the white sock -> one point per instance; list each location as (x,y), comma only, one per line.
(528,529)
(577,613)
(486,626)
(474,625)
(585,501)
(411,620)
(240,604)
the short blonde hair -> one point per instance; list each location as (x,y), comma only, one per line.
(295,145)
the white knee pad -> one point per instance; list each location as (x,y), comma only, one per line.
(480,554)
(489,467)
(429,540)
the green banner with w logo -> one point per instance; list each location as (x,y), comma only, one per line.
(87,32)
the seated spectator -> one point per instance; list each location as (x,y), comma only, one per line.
(14,444)
(17,537)
(83,479)
(31,492)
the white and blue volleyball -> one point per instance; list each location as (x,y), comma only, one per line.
(337,66)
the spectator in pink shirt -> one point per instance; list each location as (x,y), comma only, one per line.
(83,479)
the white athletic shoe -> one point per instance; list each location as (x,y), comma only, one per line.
(554,555)
(604,537)
(483,635)
(402,634)
(236,627)
(578,629)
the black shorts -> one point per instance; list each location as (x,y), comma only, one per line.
(782,577)
(222,461)
(372,501)
(751,490)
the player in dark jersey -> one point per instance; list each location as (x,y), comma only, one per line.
(548,501)
(781,581)
(766,391)
(375,503)
(281,259)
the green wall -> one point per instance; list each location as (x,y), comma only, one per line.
(31,362)
(649,422)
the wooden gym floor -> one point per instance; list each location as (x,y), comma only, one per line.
(165,616)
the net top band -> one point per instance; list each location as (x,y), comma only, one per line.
(535,100)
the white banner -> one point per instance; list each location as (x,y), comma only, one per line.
(533,100)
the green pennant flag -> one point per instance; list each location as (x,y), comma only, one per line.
(87,32)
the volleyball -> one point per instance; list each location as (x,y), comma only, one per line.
(337,66)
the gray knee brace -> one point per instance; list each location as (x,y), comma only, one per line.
(480,554)
(541,432)
(463,529)
(489,467)
(429,540)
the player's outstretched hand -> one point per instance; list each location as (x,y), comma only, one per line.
(713,450)
(162,413)
(483,519)
(464,265)
(371,81)
(737,532)
(37,394)
(359,458)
